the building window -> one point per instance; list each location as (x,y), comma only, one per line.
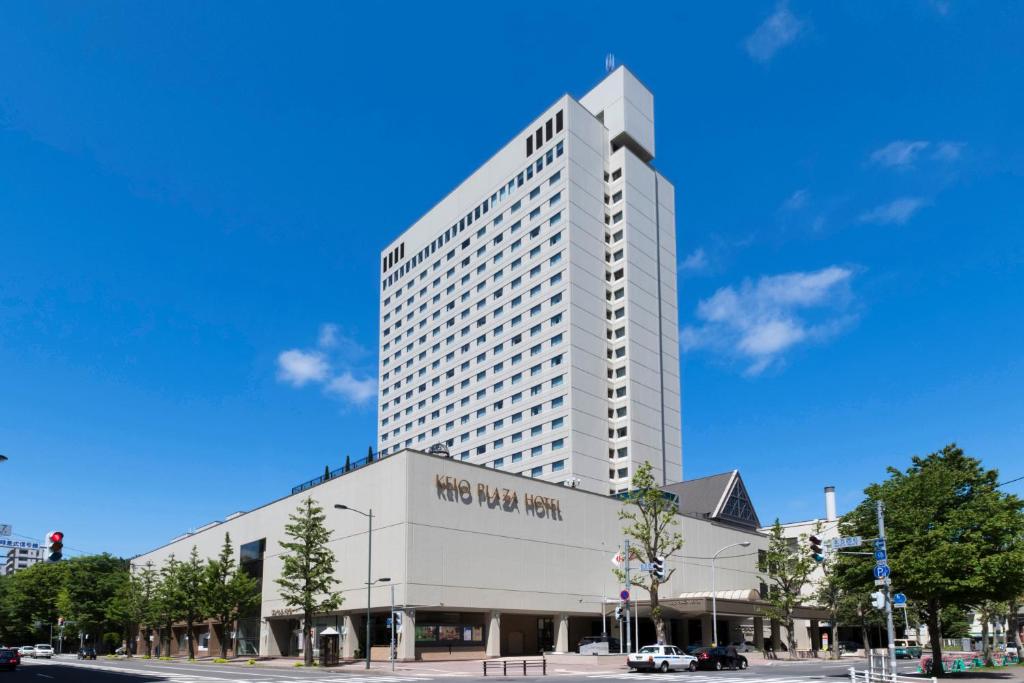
(558,466)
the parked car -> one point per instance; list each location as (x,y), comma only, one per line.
(849,646)
(26,650)
(746,646)
(42,650)
(9,658)
(907,649)
(661,658)
(1012,649)
(715,658)
(613,644)
(87,653)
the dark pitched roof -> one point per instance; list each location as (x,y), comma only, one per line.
(722,497)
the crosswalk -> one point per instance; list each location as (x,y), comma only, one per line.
(242,676)
(688,677)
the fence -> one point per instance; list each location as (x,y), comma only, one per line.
(881,676)
(349,466)
(515,666)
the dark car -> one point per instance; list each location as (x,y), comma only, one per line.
(715,658)
(9,658)
(613,643)
(87,653)
(849,646)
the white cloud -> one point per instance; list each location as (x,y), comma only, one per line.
(335,365)
(758,322)
(948,151)
(297,367)
(900,153)
(352,389)
(796,201)
(697,260)
(896,212)
(328,338)
(778,30)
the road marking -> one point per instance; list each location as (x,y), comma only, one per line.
(44,676)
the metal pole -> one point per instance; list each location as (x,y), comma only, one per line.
(369,574)
(636,622)
(604,619)
(629,629)
(392,627)
(888,595)
(714,604)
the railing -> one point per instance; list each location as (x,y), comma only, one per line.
(349,466)
(879,676)
(516,665)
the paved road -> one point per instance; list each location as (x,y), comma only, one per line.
(144,671)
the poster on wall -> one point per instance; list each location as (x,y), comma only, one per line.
(450,633)
(426,633)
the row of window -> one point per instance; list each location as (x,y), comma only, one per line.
(502,194)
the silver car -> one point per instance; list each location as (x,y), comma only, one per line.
(42,650)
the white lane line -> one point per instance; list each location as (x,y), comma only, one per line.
(44,676)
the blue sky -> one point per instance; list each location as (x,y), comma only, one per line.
(190,190)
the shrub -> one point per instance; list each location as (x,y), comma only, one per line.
(219,660)
(251,662)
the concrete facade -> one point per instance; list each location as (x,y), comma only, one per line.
(529,320)
(509,564)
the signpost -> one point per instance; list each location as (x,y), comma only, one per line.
(5,529)
(899,599)
(881,571)
(881,556)
(845,542)
(8,543)
(647,566)
(624,595)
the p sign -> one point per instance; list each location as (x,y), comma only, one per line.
(881,571)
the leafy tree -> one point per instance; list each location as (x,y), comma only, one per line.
(829,594)
(191,576)
(228,591)
(787,569)
(651,521)
(167,602)
(29,597)
(955,621)
(307,572)
(953,538)
(89,591)
(133,604)
(989,612)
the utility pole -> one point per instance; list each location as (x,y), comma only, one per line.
(888,594)
(629,628)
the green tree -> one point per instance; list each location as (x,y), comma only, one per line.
(787,568)
(167,602)
(307,572)
(191,576)
(90,588)
(651,522)
(228,591)
(953,538)
(29,601)
(829,594)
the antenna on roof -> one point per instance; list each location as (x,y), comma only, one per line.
(609,63)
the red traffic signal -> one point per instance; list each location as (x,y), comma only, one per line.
(54,545)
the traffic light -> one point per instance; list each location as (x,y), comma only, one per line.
(618,613)
(878,599)
(54,546)
(816,552)
(659,569)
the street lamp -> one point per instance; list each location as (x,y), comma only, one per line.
(369,557)
(3,458)
(714,592)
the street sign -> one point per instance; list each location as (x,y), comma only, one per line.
(880,543)
(647,566)
(881,555)
(5,529)
(879,582)
(8,543)
(899,599)
(844,542)
(624,595)
(881,571)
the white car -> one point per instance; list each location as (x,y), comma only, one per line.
(26,650)
(661,658)
(42,650)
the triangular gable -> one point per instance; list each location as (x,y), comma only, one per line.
(736,507)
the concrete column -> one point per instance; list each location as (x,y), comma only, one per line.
(668,632)
(562,634)
(407,637)
(815,636)
(350,642)
(707,629)
(759,633)
(801,635)
(494,635)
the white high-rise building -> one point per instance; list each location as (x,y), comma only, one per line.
(529,320)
